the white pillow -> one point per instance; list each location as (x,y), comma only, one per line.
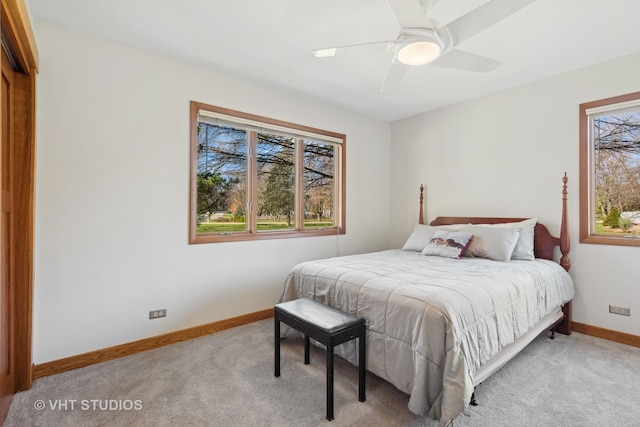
(524,246)
(491,242)
(422,235)
(448,244)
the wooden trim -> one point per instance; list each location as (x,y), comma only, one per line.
(341,188)
(252,232)
(193,170)
(263,119)
(110,353)
(251,217)
(585,196)
(587,207)
(16,20)
(607,334)
(298,198)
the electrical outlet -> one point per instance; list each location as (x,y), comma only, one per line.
(156,314)
(620,310)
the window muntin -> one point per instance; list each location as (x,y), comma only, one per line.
(610,171)
(255,178)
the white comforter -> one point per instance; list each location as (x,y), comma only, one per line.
(432,321)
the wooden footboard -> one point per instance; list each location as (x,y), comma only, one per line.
(565,327)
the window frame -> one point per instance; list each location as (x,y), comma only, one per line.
(252,233)
(587,180)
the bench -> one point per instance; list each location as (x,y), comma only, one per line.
(328,326)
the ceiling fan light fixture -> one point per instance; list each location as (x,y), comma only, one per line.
(323,53)
(419,53)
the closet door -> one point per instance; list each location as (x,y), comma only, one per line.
(17,172)
(7,284)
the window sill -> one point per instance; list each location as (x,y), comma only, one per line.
(600,239)
(241,237)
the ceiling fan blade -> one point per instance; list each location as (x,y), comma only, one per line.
(482,18)
(396,72)
(345,50)
(409,13)
(466,61)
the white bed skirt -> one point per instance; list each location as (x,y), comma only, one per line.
(509,351)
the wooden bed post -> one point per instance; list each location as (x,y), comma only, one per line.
(565,326)
(565,244)
(421,215)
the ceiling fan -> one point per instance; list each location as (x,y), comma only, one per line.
(420,42)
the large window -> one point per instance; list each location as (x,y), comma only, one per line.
(610,171)
(257,178)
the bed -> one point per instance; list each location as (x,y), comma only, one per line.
(461,298)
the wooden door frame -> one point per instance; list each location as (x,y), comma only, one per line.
(19,41)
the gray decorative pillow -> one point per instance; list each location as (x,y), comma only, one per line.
(524,246)
(491,242)
(448,244)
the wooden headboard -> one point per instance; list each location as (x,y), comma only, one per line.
(544,243)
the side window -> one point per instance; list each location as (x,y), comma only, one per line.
(610,171)
(258,178)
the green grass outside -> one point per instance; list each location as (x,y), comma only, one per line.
(230,227)
(600,229)
(220,227)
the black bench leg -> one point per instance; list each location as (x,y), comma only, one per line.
(330,382)
(361,367)
(307,358)
(277,346)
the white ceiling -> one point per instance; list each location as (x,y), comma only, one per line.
(270,41)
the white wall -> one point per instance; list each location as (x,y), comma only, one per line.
(504,155)
(112,181)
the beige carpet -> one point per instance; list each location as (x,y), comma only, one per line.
(226,379)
